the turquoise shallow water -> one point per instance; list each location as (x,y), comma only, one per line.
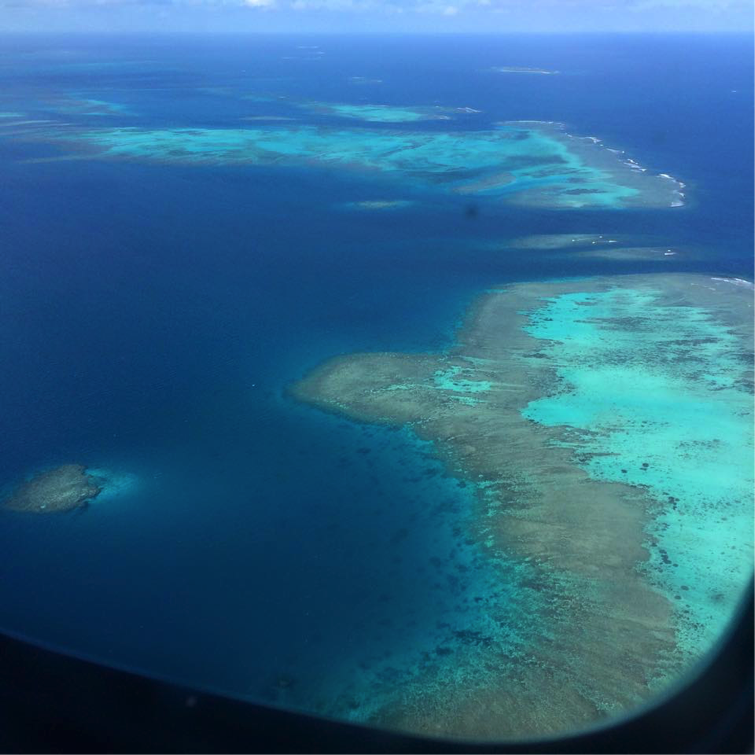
(377,113)
(656,395)
(536,164)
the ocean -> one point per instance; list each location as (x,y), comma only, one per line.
(154,313)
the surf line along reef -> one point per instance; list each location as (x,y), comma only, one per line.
(606,425)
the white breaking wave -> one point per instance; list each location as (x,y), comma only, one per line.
(736,282)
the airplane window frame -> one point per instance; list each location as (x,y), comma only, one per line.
(53,702)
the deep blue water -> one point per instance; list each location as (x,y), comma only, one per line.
(151,317)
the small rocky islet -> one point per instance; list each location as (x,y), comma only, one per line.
(64,488)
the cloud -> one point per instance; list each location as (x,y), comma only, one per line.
(483,15)
(712,6)
(344,5)
(446,8)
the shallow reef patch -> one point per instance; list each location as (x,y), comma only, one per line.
(616,247)
(378,113)
(63,488)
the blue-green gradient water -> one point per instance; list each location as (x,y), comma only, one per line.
(153,313)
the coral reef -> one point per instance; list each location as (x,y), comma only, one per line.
(63,488)
(606,425)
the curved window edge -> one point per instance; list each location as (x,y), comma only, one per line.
(54,702)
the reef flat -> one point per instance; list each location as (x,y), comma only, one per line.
(522,69)
(527,163)
(61,489)
(634,253)
(606,425)
(78,105)
(379,113)
(549,241)
(619,247)
(379,204)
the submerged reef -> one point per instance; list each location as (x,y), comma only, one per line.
(600,246)
(64,488)
(380,204)
(606,426)
(635,253)
(379,113)
(551,241)
(86,106)
(527,163)
(521,69)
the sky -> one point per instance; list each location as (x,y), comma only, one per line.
(352,16)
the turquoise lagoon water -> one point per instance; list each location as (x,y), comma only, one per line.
(657,396)
(377,113)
